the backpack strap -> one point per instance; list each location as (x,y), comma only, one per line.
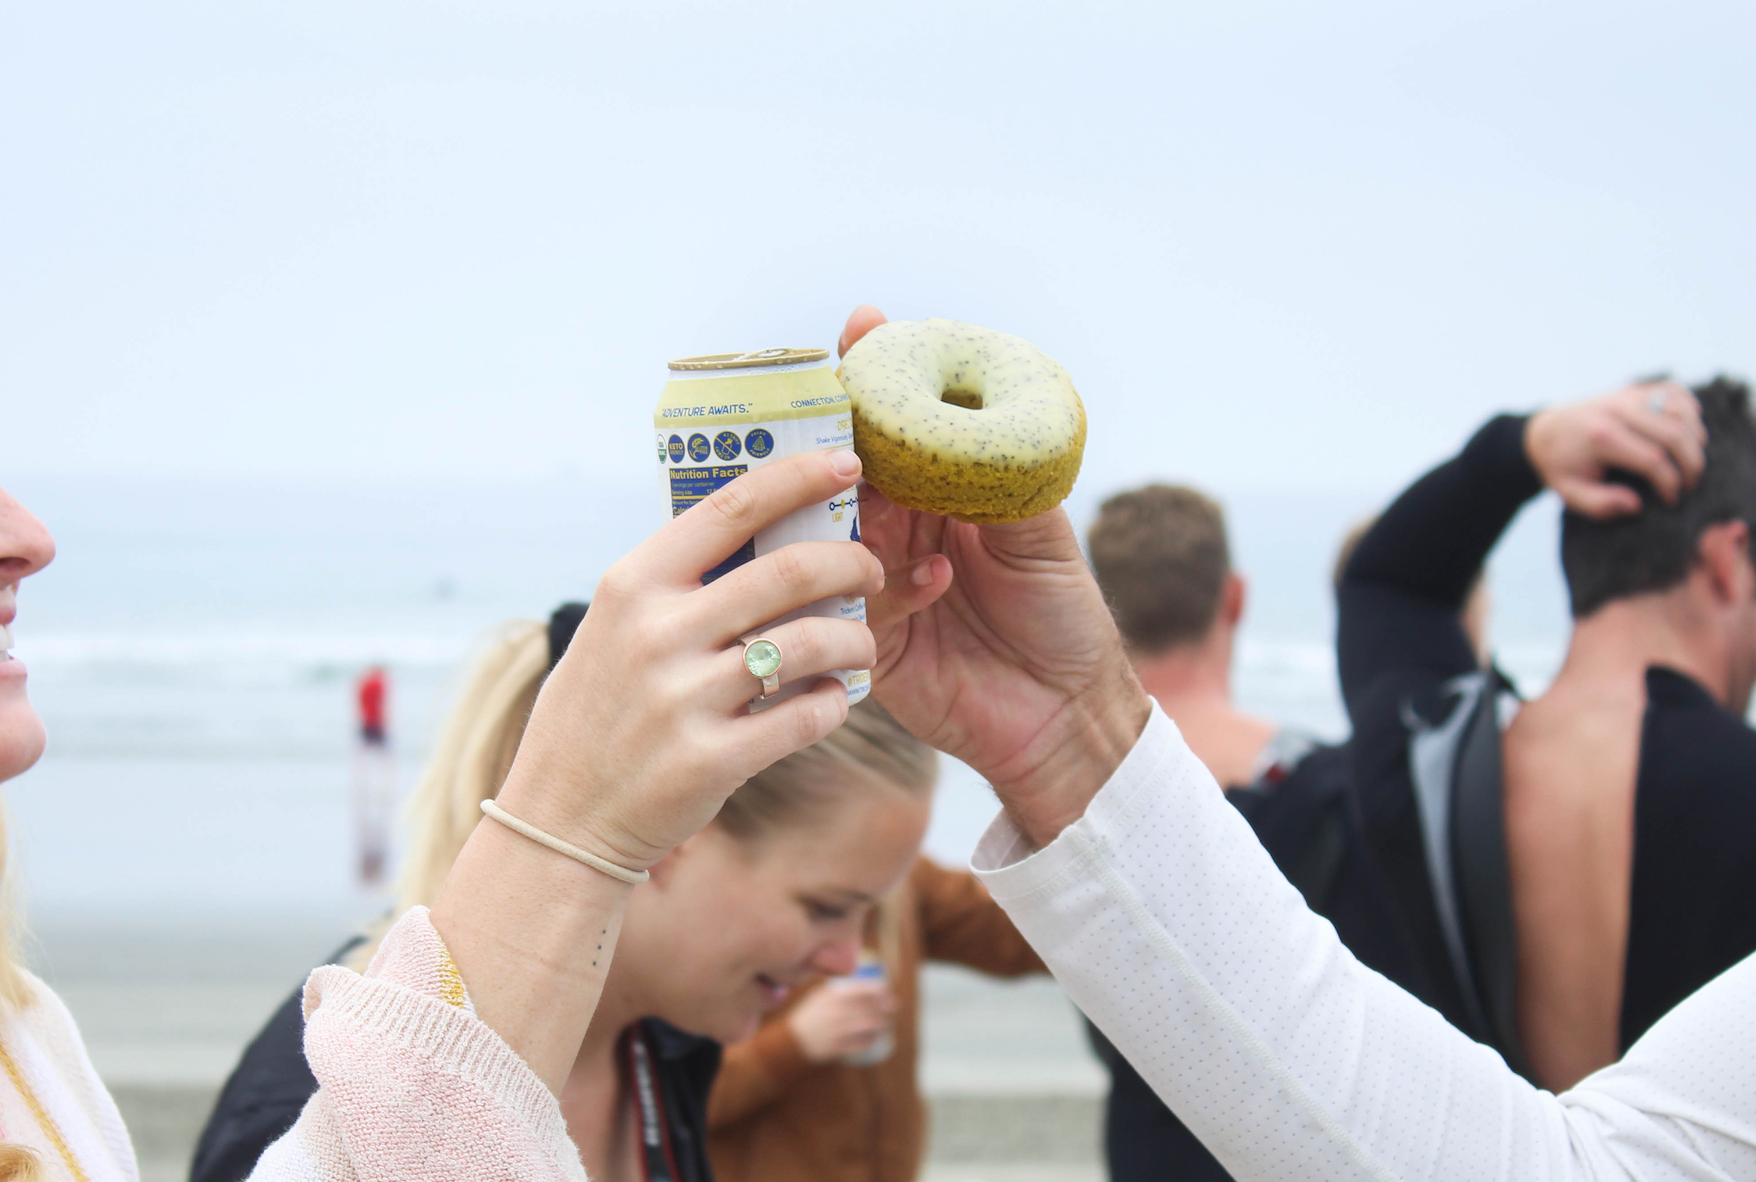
(1455,764)
(1437,723)
(1483,873)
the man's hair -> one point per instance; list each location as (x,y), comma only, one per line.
(1161,558)
(1654,549)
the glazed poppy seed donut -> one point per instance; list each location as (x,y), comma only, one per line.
(963,421)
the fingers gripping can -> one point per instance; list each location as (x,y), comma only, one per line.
(725,413)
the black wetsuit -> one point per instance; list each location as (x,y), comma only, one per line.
(1400,640)
(269,1087)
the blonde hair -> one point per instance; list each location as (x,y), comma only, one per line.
(15,990)
(18,1163)
(480,736)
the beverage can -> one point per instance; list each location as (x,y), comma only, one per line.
(721,415)
(881,1048)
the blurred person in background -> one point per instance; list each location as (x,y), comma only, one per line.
(817,1095)
(374,774)
(500,1002)
(745,895)
(1567,870)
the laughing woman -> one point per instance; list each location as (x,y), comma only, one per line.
(774,893)
(446,1058)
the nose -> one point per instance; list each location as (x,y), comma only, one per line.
(838,958)
(25,546)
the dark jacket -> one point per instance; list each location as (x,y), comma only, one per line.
(271,1084)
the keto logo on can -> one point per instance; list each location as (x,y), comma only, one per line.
(759,443)
(727,446)
(675,447)
(698,448)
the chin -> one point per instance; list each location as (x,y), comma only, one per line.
(21,737)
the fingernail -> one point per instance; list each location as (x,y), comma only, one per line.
(844,463)
(922,575)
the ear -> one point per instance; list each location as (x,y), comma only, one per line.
(1724,554)
(1231,599)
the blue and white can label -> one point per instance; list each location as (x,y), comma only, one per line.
(721,415)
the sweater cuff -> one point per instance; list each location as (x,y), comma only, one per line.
(1004,859)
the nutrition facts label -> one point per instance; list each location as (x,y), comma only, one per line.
(689,485)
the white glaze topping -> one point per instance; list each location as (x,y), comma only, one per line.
(898,374)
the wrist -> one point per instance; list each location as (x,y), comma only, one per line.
(1078,753)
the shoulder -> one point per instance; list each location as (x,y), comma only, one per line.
(1694,752)
(47,1047)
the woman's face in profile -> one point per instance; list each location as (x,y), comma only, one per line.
(728,929)
(25,548)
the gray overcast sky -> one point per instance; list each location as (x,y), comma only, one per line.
(1276,244)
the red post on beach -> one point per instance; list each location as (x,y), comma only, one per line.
(374,774)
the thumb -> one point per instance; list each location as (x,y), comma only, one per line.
(861,321)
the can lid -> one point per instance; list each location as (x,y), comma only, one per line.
(750,360)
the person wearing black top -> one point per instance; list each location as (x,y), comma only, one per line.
(1567,870)
(1161,556)
(774,892)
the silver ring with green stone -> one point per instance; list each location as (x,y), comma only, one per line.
(762,658)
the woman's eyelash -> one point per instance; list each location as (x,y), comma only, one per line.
(826,911)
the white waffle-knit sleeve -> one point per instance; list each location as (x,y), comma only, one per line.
(1170,927)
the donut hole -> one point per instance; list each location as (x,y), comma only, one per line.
(968,399)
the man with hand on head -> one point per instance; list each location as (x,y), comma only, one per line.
(1564,885)
(1158,911)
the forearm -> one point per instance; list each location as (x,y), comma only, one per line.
(1169,926)
(1434,539)
(1071,759)
(532,933)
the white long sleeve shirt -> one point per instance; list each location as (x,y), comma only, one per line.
(1170,927)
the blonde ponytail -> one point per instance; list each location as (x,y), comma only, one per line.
(470,760)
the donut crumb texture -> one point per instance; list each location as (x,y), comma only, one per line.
(963,421)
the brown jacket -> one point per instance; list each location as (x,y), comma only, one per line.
(775,1117)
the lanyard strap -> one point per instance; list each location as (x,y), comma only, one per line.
(656,1161)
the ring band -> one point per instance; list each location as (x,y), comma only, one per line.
(1656,400)
(762,659)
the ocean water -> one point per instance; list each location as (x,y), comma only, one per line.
(193,648)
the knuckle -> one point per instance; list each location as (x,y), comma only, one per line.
(807,645)
(617,585)
(790,570)
(735,505)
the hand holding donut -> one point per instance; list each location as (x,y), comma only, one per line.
(994,645)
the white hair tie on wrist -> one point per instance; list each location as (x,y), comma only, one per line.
(526,829)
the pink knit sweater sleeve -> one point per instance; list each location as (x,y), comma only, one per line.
(411,1083)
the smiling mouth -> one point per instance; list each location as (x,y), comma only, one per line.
(5,642)
(775,992)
